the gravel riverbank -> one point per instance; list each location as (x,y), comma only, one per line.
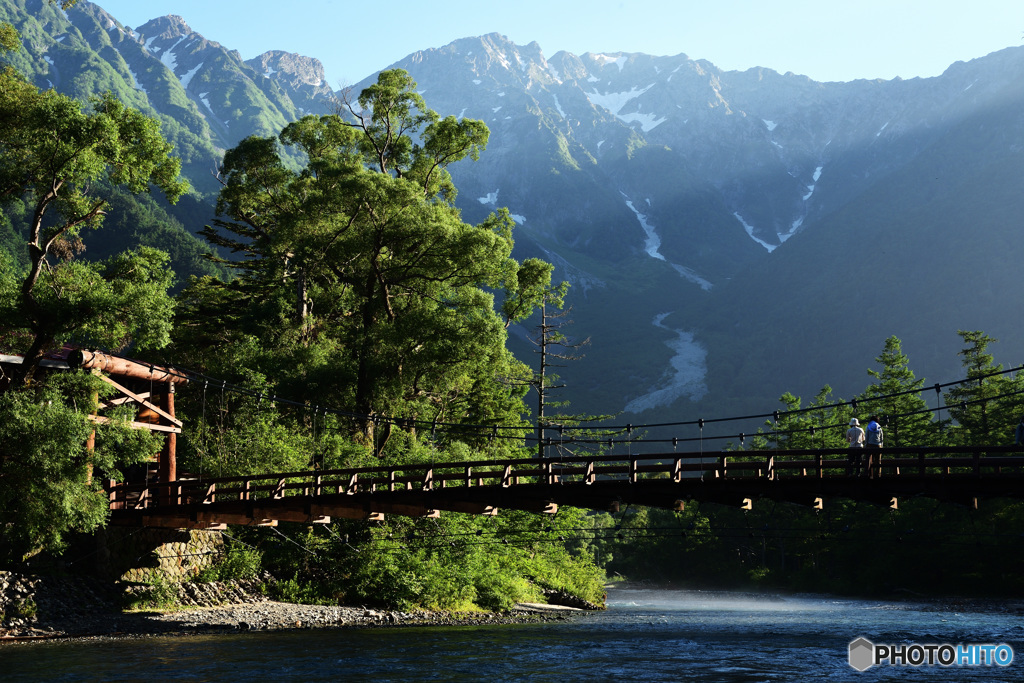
(46,608)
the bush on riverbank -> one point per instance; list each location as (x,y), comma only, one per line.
(455,562)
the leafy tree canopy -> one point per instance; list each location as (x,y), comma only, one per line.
(356,273)
(52,153)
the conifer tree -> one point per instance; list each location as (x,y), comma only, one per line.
(987,405)
(895,397)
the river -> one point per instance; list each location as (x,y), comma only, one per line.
(645,635)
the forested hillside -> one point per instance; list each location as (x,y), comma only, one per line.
(705,218)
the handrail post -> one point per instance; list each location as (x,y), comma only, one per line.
(677,470)
(770,465)
(112,494)
(819,461)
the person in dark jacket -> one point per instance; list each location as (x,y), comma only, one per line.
(873,443)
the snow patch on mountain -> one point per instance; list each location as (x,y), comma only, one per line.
(187,78)
(169,59)
(615,101)
(619,61)
(792,230)
(137,83)
(750,233)
(810,188)
(692,276)
(653,241)
(652,246)
(647,121)
(685,376)
(558,106)
(491,198)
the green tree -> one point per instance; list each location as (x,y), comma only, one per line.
(820,425)
(985,407)
(52,152)
(356,273)
(47,490)
(896,395)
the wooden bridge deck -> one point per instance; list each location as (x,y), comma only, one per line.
(667,480)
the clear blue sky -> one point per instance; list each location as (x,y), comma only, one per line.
(828,40)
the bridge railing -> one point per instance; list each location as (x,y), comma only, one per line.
(583,470)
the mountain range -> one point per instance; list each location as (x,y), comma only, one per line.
(729,236)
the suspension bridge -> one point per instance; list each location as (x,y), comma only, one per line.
(811,477)
(669,480)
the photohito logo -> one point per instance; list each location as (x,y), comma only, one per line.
(865,654)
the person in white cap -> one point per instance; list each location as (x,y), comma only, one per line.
(854,437)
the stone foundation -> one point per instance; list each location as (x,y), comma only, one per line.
(135,555)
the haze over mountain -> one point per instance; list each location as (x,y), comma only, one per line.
(729,235)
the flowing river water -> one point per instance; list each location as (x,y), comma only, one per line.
(645,635)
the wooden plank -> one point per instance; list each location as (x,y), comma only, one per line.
(121,400)
(100,419)
(141,401)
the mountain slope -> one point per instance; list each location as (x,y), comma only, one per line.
(729,235)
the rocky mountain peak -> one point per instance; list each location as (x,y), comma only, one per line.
(293,69)
(170,26)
